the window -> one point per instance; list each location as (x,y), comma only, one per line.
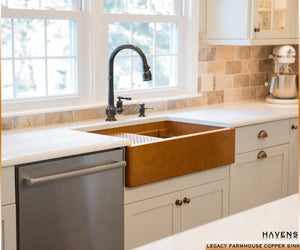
(159,28)
(39,48)
(156,33)
(55,52)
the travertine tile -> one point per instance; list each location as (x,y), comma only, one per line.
(250,66)
(249,93)
(266,65)
(207,82)
(225,53)
(263,92)
(176,104)
(207,54)
(234,67)
(131,109)
(216,68)
(232,95)
(157,106)
(241,81)
(260,52)
(242,52)
(85,114)
(26,121)
(196,101)
(214,97)
(257,79)
(58,117)
(223,82)
(102,112)
(6,123)
(202,67)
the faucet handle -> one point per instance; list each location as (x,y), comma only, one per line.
(120,109)
(143,109)
(123,98)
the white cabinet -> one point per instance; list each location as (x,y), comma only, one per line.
(9,238)
(190,205)
(252,22)
(258,177)
(293,157)
(8,209)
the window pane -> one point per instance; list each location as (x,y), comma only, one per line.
(60,76)
(60,38)
(165,74)
(119,33)
(6,79)
(122,75)
(6,41)
(30,78)
(138,7)
(43,4)
(165,7)
(116,6)
(143,36)
(166,37)
(29,37)
(137,82)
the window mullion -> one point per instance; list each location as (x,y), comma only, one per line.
(154,57)
(46,57)
(13,56)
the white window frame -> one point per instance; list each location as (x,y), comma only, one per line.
(188,26)
(92,57)
(83,90)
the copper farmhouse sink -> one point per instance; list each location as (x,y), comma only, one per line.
(162,150)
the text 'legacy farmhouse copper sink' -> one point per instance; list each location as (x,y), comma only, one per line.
(162,150)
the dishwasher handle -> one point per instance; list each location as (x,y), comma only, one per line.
(72,174)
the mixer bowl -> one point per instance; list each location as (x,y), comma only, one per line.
(284,86)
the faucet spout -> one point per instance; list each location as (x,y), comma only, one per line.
(147,76)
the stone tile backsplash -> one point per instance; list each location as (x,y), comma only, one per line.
(225,74)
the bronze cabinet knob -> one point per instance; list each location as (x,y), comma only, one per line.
(294,126)
(262,155)
(178,202)
(186,200)
(262,134)
(256,29)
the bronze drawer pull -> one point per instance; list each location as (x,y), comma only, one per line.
(262,155)
(256,29)
(186,200)
(178,202)
(294,126)
(262,134)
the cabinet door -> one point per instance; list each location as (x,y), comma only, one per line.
(256,181)
(9,239)
(293,157)
(204,203)
(151,219)
(274,19)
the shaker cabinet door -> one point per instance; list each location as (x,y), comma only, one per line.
(151,219)
(294,157)
(9,238)
(203,204)
(258,177)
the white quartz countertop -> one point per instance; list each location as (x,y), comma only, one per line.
(41,145)
(277,216)
(48,142)
(238,114)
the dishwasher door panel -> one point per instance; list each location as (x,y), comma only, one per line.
(77,212)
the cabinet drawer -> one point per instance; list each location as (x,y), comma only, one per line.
(262,135)
(8,185)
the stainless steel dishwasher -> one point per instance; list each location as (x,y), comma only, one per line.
(72,203)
